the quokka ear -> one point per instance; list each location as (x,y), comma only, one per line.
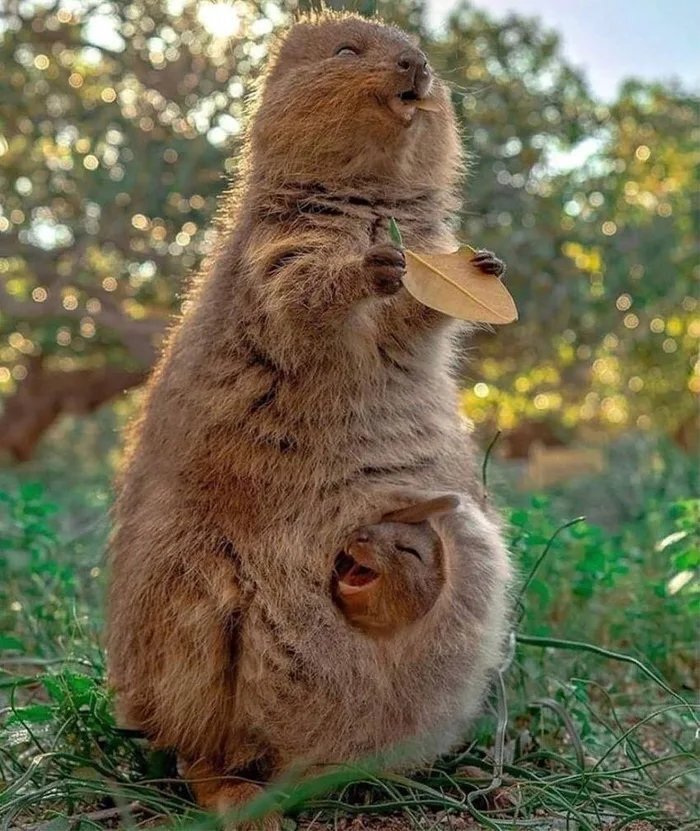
(424,510)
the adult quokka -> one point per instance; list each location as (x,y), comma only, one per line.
(304,393)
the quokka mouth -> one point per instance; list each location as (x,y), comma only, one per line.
(405,104)
(351,574)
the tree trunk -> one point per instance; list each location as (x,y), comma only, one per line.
(44,395)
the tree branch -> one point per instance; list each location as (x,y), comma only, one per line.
(138,336)
(44,395)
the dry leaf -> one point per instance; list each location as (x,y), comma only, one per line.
(452,285)
(427,104)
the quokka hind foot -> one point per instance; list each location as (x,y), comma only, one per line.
(224,794)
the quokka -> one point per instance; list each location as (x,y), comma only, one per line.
(305,393)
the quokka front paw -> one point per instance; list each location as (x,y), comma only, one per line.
(488,263)
(387,266)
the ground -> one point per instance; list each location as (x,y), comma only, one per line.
(595,714)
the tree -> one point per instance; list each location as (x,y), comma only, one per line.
(116,125)
(112,154)
(616,349)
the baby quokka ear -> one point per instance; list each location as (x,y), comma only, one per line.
(422,511)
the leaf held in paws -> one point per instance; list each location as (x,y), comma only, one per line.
(452,284)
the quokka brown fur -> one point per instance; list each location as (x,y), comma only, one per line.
(302,394)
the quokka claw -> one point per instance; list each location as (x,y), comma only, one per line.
(489,263)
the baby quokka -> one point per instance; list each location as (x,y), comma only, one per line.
(390,574)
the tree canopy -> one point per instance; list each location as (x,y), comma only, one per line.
(119,123)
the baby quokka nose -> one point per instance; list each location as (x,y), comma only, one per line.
(413,63)
(363,551)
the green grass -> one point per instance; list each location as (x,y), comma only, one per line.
(591,726)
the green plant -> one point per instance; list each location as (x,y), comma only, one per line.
(591,724)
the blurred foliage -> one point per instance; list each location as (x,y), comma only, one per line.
(112,157)
(119,119)
(633,586)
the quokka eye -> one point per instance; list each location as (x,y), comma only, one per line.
(345,49)
(408,550)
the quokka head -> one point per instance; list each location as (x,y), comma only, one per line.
(390,574)
(344,96)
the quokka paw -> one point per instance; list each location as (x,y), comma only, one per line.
(488,263)
(387,265)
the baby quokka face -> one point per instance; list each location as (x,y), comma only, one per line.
(390,574)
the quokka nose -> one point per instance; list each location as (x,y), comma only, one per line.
(414,63)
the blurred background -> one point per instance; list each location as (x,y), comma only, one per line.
(120,125)
(120,121)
